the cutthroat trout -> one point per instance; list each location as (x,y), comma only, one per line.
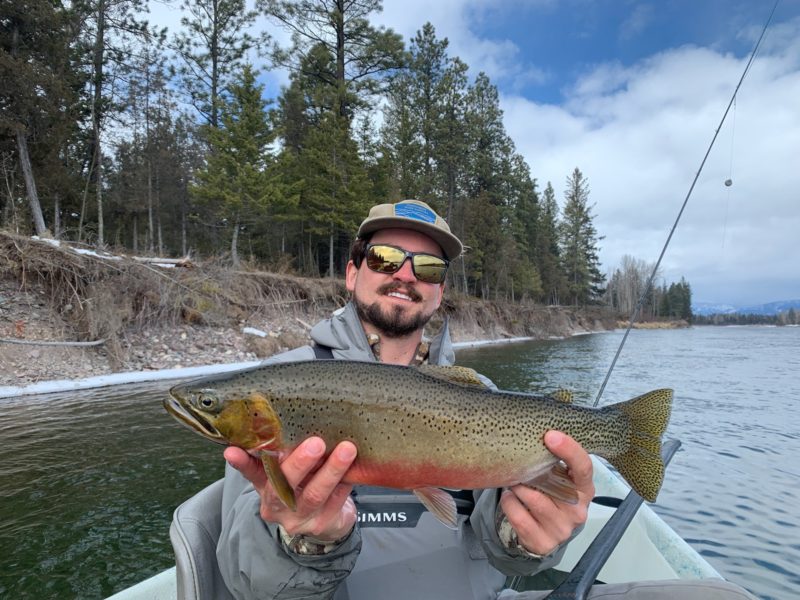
(421,428)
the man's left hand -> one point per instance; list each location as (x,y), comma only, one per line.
(541,522)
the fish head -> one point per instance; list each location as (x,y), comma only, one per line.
(238,417)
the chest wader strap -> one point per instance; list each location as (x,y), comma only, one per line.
(322,352)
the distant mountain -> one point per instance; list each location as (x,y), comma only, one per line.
(771,308)
(705,309)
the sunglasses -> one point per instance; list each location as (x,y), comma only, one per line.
(427,268)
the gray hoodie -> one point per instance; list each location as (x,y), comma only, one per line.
(397,550)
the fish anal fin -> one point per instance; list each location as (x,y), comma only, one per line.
(277,478)
(556,483)
(453,374)
(440,504)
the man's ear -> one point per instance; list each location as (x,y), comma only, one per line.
(350,275)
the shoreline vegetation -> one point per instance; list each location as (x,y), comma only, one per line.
(69,315)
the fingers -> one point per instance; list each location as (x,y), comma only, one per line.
(320,487)
(249,466)
(535,518)
(324,508)
(541,522)
(577,459)
(303,460)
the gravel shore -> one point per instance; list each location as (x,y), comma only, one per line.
(26,320)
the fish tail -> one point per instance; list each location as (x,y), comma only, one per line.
(641,464)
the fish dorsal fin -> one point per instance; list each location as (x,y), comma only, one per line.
(440,503)
(453,374)
(277,478)
(563,396)
(555,482)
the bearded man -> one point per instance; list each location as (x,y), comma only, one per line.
(374,543)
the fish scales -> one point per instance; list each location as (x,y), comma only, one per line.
(413,429)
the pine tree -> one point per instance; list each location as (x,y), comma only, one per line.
(547,254)
(211,49)
(321,164)
(237,182)
(363,55)
(37,96)
(578,237)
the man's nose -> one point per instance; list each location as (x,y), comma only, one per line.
(406,271)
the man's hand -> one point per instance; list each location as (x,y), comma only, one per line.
(324,510)
(542,523)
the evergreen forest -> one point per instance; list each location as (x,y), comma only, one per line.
(123,135)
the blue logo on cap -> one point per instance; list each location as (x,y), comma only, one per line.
(415,211)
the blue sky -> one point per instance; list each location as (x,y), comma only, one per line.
(560,41)
(631,93)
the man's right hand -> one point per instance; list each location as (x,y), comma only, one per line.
(325,510)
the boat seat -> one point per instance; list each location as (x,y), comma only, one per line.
(195,529)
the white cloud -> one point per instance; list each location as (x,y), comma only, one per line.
(455,20)
(641,16)
(639,133)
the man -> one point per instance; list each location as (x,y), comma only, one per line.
(320,550)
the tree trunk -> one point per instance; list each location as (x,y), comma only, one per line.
(234,243)
(341,85)
(330,256)
(56,216)
(99,51)
(135,233)
(183,223)
(30,186)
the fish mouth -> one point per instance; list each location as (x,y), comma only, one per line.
(185,415)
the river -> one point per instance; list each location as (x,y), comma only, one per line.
(89,480)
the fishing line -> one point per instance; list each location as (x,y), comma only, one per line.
(729,180)
(652,277)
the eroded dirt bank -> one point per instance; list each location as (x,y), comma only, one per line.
(148,317)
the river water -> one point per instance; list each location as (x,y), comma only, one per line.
(89,480)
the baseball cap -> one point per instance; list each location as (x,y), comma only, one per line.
(414,215)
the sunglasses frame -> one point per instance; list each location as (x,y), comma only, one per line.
(406,256)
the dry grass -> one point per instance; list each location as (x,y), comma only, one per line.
(97,298)
(101,298)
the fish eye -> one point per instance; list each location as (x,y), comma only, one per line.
(206,400)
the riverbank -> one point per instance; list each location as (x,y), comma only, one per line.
(137,317)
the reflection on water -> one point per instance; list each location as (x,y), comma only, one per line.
(89,480)
(731,490)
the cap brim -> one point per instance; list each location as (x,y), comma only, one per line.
(450,244)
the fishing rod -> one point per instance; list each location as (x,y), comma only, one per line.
(652,277)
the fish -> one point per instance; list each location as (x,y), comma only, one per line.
(426,429)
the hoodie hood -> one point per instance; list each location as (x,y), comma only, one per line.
(343,334)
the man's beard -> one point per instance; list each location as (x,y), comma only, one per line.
(394,322)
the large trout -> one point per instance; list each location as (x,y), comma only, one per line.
(421,428)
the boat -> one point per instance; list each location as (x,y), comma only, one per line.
(624,545)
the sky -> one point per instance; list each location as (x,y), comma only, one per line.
(632,94)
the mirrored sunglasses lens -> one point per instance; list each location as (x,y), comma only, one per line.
(429,269)
(385,259)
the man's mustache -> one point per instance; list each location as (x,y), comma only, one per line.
(394,286)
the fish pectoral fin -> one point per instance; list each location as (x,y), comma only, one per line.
(453,374)
(441,504)
(556,483)
(277,478)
